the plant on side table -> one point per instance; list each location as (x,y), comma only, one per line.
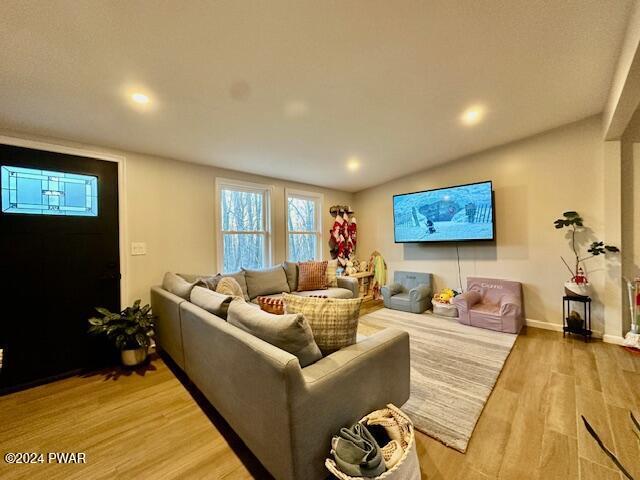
(130,330)
(578,285)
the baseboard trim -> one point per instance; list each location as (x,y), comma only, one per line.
(615,339)
(556,327)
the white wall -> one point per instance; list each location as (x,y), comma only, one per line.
(630,147)
(535,180)
(170,206)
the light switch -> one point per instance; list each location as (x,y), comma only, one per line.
(138,248)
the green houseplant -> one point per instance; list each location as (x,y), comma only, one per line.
(131,330)
(578,283)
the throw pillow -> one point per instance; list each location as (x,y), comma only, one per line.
(242,281)
(212,302)
(229,286)
(266,281)
(291,269)
(333,321)
(312,276)
(210,282)
(177,285)
(287,332)
(332,278)
(271,305)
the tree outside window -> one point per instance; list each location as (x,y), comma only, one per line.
(243,227)
(304,233)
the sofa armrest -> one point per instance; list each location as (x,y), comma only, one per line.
(510,303)
(419,293)
(341,388)
(466,300)
(168,332)
(390,290)
(349,283)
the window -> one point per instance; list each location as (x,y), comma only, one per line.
(304,227)
(243,239)
(43,192)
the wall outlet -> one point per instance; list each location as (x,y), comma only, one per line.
(138,248)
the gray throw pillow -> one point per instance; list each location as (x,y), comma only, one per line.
(266,281)
(291,270)
(208,281)
(239,277)
(177,285)
(290,333)
(212,302)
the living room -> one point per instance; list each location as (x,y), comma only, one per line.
(283,141)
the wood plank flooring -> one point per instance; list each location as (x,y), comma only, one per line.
(147,424)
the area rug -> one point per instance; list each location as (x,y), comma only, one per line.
(454,367)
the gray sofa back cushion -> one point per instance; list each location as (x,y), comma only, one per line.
(177,285)
(211,301)
(291,270)
(266,281)
(291,333)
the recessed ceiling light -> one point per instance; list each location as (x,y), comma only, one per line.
(472,115)
(140,98)
(353,163)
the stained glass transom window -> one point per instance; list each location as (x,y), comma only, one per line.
(43,192)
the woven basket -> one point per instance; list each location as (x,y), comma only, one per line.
(444,309)
(408,468)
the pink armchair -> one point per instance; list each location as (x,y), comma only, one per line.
(491,303)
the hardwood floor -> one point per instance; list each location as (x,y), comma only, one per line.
(147,424)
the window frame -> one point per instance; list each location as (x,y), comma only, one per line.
(318,199)
(238,185)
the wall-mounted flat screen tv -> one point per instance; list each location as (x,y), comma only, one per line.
(453,214)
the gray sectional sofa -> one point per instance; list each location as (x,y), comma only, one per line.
(285,414)
(266,283)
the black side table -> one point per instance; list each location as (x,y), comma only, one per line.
(585,330)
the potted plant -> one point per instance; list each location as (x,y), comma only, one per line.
(131,331)
(578,285)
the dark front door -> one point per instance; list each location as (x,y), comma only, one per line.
(59,259)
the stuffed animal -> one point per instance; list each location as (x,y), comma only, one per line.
(445,296)
(350,269)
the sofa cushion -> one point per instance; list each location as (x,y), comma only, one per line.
(291,270)
(333,321)
(211,301)
(177,285)
(312,276)
(331,292)
(242,281)
(291,333)
(266,281)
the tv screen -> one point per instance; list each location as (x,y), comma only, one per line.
(453,214)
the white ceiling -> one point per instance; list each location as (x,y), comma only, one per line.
(293,88)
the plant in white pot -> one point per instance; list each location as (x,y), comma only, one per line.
(579,285)
(131,331)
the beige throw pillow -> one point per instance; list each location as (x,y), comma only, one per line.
(333,321)
(332,278)
(230,286)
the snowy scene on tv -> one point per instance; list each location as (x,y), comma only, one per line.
(448,214)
